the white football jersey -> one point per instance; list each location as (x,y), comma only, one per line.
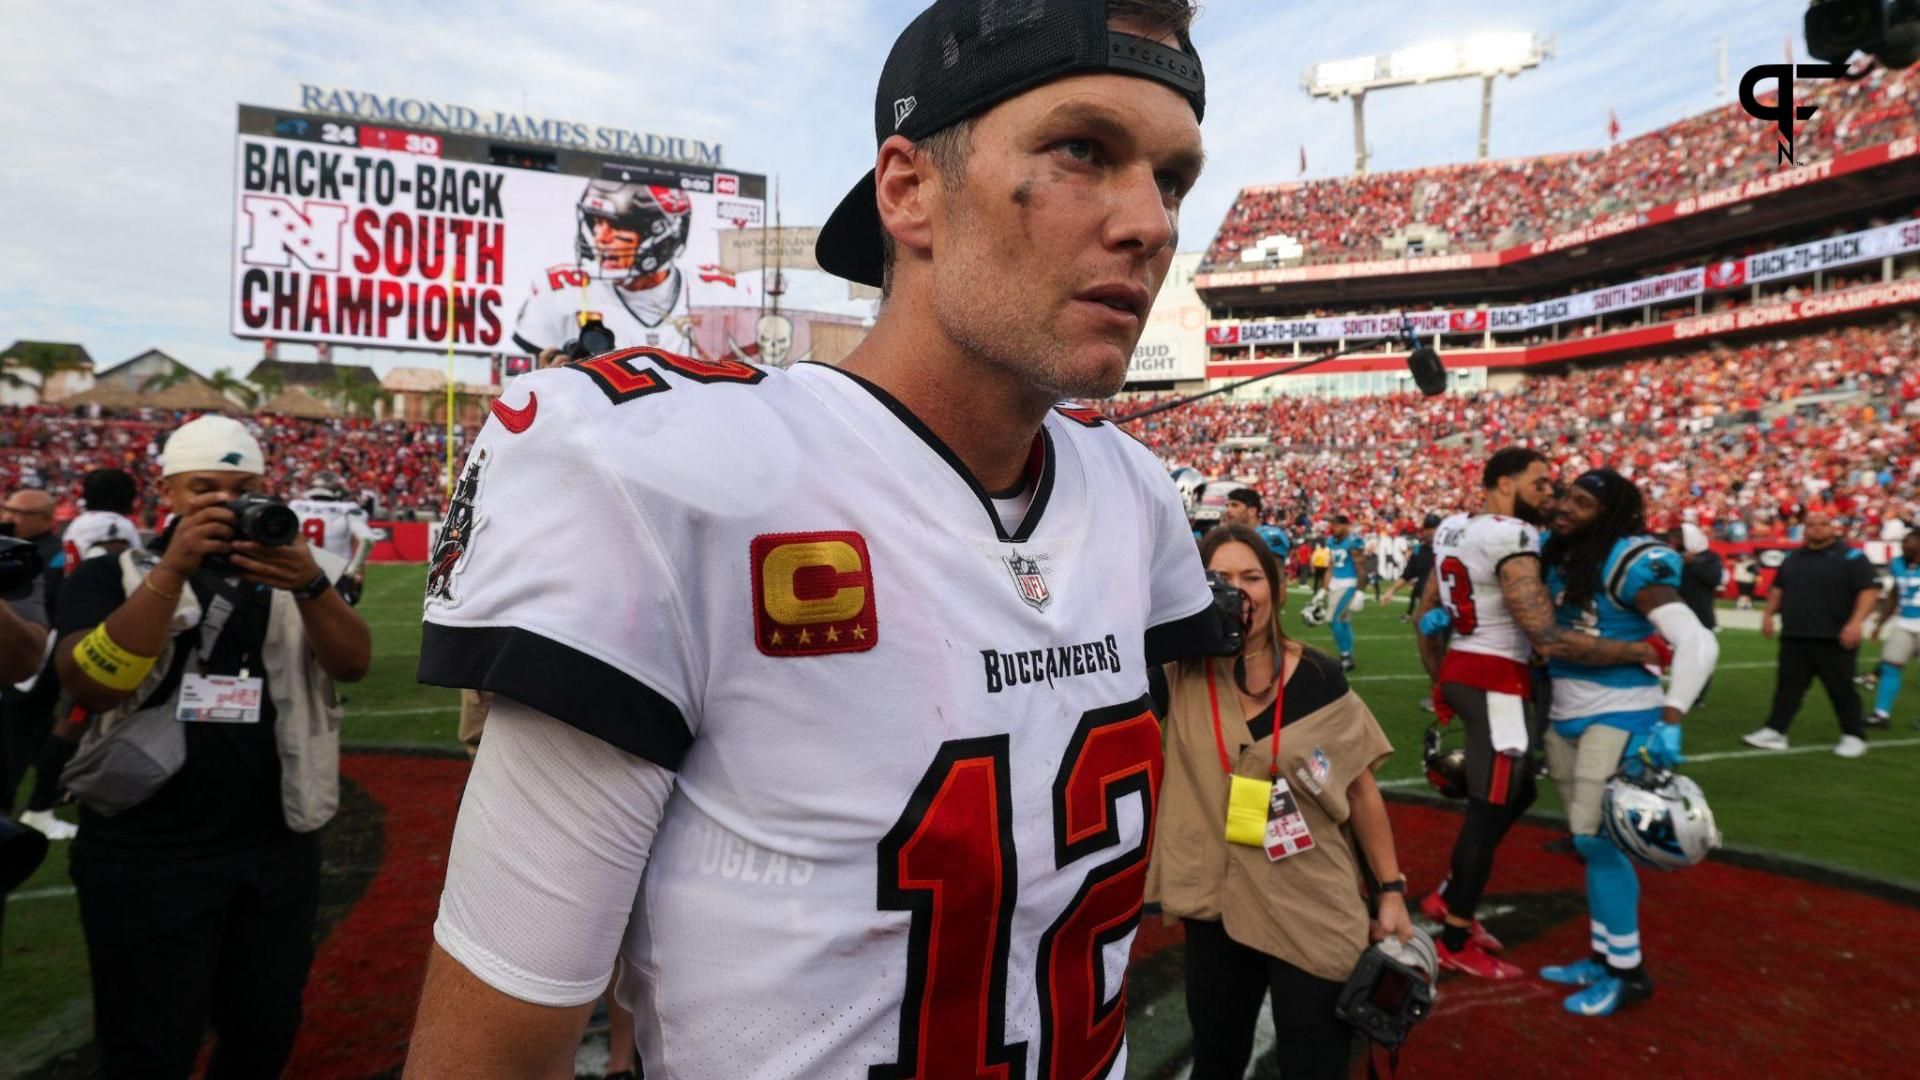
(1467,553)
(332,526)
(92,528)
(917,763)
(657,317)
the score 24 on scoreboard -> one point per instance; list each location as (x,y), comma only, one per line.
(382,236)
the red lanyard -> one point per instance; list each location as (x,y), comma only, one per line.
(1279,709)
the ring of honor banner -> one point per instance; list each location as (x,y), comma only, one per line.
(352,234)
(1869,245)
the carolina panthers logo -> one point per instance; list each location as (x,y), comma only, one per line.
(1662,572)
(456,533)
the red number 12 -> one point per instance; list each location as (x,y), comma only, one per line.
(950,861)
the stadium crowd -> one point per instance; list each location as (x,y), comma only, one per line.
(1750,437)
(395,466)
(1498,204)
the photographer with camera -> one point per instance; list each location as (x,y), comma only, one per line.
(212,763)
(1267,811)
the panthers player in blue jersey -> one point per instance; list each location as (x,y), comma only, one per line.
(1344,553)
(1243,508)
(1902,608)
(1610,579)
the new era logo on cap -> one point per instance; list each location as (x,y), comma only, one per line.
(902,109)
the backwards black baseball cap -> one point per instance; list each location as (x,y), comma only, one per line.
(961,58)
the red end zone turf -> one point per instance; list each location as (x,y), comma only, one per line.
(1756,972)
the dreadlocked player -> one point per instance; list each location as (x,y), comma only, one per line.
(1610,580)
(1487,576)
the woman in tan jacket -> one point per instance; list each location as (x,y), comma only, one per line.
(1258,827)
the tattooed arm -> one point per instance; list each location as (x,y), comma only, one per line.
(1532,608)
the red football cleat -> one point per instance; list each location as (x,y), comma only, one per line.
(1475,961)
(1435,907)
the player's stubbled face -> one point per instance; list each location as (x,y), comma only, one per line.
(1533,494)
(1575,512)
(1241,567)
(1049,253)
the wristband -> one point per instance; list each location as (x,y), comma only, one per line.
(1398,885)
(312,589)
(108,663)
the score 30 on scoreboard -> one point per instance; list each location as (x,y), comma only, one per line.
(361,235)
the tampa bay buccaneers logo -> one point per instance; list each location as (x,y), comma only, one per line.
(456,534)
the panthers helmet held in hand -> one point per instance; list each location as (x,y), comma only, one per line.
(1658,817)
(1315,613)
(1189,481)
(1446,760)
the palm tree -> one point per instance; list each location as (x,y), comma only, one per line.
(43,359)
(166,380)
(268,382)
(346,391)
(232,386)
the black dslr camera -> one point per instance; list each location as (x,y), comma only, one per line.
(262,519)
(20,564)
(594,338)
(1235,610)
(1887,30)
(1390,990)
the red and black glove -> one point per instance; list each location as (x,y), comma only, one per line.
(1663,649)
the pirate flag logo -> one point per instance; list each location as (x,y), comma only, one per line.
(456,534)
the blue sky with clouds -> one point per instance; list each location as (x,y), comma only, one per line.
(117,119)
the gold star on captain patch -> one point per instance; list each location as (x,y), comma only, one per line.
(775,640)
(806,638)
(859,633)
(832,634)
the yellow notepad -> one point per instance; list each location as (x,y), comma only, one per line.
(1247,804)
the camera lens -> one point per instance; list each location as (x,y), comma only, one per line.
(272,524)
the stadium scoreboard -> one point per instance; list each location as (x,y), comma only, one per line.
(388,236)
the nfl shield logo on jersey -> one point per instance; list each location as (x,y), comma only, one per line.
(1028,580)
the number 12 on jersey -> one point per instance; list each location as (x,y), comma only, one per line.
(950,862)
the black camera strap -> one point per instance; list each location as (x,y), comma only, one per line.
(217,614)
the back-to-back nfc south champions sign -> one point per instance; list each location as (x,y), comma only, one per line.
(404,238)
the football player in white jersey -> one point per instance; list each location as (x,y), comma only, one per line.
(333,522)
(1487,577)
(863,694)
(106,526)
(629,236)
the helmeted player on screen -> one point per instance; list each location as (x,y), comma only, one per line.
(830,722)
(627,239)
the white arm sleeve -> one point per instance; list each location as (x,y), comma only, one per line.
(554,831)
(1695,651)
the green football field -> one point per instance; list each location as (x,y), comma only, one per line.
(1805,804)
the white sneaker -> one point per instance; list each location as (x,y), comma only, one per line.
(1765,739)
(1850,746)
(44,822)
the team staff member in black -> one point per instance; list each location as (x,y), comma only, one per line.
(1825,590)
(198,899)
(1419,565)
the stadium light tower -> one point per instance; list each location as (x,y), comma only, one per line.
(1482,56)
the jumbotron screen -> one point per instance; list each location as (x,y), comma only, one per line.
(392,237)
